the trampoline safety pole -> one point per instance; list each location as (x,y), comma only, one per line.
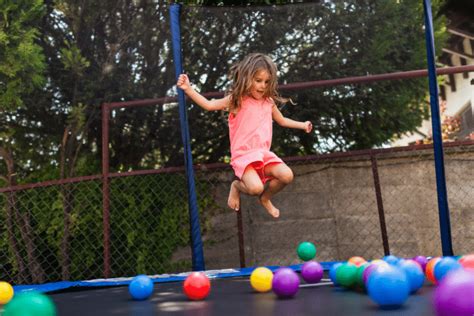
(444,222)
(106,188)
(196,241)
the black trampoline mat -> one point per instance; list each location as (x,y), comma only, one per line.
(233,296)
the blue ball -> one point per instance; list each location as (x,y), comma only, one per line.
(141,287)
(444,266)
(414,273)
(391,259)
(388,286)
(332,272)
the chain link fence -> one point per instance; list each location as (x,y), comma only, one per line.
(55,231)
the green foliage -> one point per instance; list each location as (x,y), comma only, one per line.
(112,51)
(73,60)
(149,222)
(109,51)
(21,58)
(309,42)
(239,2)
(149,226)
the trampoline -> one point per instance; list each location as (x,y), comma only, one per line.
(162,219)
(234,296)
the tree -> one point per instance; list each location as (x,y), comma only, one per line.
(109,51)
(127,45)
(330,40)
(21,67)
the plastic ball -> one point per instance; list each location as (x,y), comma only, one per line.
(285,283)
(360,275)
(306,251)
(333,271)
(30,303)
(422,261)
(358,261)
(391,259)
(346,275)
(444,266)
(414,273)
(261,279)
(372,266)
(197,286)
(141,287)
(388,286)
(6,292)
(312,272)
(429,272)
(454,295)
(467,262)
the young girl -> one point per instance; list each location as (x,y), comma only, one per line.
(251,103)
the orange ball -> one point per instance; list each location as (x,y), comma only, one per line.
(357,261)
(430,269)
(467,262)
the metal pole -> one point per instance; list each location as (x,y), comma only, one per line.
(196,241)
(105,188)
(444,222)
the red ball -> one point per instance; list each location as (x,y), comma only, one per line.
(197,286)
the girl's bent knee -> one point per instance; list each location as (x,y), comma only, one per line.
(255,190)
(287,178)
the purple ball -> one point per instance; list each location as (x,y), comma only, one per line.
(422,260)
(285,282)
(453,296)
(312,272)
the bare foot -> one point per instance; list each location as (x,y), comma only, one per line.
(234,197)
(267,204)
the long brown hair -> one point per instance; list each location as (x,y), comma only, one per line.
(242,75)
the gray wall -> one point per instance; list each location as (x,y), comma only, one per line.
(332,203)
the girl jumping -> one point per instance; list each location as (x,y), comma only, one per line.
(252,105)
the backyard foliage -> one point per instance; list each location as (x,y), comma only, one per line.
(60,60)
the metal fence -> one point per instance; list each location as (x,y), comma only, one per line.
(364,203)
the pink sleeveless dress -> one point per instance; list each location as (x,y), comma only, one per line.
(250,132)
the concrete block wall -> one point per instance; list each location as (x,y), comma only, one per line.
(332,203)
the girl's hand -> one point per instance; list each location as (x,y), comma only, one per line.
(183,82)
(308,127)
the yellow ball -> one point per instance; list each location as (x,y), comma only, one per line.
(377,261)
(6,293)
(261,279)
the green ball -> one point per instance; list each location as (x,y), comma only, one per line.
(306,251)
(359,275)
(30,304)
(346,275)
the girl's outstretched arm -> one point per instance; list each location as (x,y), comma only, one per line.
(208,105)
(286,122)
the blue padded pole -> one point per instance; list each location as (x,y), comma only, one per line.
(196,241)
(444,222)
